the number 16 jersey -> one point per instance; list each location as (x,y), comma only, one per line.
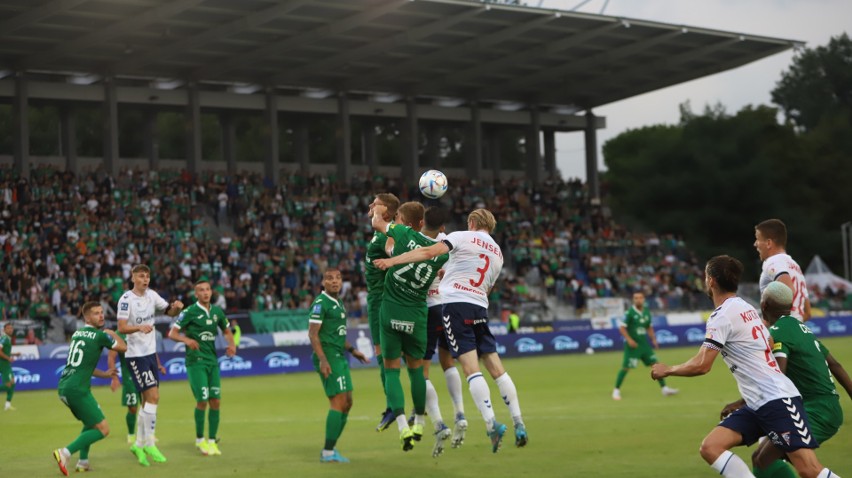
(475,263)
(736,330)
(83,356)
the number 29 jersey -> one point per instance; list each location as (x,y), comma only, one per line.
(475,263)
(736,330)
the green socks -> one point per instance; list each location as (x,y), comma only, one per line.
(776,469)
(214,423)
(333,427)
(382,374)
(85,439)
(418,389)
(393,391)
(130,418)
(199,423)
(618,381)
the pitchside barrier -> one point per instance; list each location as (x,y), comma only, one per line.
(39,367)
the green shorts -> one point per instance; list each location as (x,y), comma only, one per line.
(632,356)
(824,416)
(83,405)
(129,394)
(339,380)
(374,307)
(403,330)
(204,380)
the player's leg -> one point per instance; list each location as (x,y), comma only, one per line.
(767,462)
(129,399)
(374,307)
(95,427)
(454,386)
(8,381)
(147,378)
(196,374)
(808,466)
(214,381)
(414,349)
(392,355)
(627,362)
(434,329)
(338,389)
(741,427)
(487,347)
(789,429)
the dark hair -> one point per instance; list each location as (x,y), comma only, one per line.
(774,229)
(435,217)
(203,280)
(726,271)
(89,306)
(140,268)
(329,271)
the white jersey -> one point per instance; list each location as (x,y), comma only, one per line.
(433,296)
(139,310)
(474,265)
(778,265)
(736,330)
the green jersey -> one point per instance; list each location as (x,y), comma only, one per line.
(330,314)
(375,276)
(637,323)
(201,325)
(6,344)
(83,355)
(806,365)
(409,283)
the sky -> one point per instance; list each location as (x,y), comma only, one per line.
(811,21)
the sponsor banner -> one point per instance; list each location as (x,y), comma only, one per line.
(25,352)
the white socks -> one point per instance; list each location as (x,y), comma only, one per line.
(454,386)
(148,419)
(432,408)
(826,473)
(141,430)
(731,466)
(510,396)
(482,398)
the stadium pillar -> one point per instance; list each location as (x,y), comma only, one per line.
(152,139)
(550,153)
(433,146)
(110,127)
(68,129)
(193,130)
(303,149)
(474,141)
(411,135)
(229,133)
(592,155)
(272,169)
(344,139)
(494,153)
(369,138)
(22,127)
(533,147)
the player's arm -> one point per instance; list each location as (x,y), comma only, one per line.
(174,308)
(839,373)
(126,328)
(111,373)
(700,364)
(316,345)
(731,408)
(115,383)
(160,364)
(806,315)
(622,329)
(231,349)
(356,353)
(653,337)
(389,246)
(119,344)
(417,255)
(378,219)
(176,335)
(5,357)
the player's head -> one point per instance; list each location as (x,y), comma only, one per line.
(775,301)
(722,274)
(481,220)
(638,300)
(411,214)
(770,238)
(434,219)
(140,275)
(389,201)
(332,282)
(203,291)
(93,314)
(8,329)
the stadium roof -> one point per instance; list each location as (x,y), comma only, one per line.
(440,48)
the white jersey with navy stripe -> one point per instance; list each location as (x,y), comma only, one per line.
(736,330)
(778,265)
(139,310)
(475,263)
(433,297)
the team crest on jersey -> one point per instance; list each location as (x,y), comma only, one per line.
(342,315)
(125,306)
(317,309)
(209,322)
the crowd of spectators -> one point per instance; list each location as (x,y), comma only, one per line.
(66,239)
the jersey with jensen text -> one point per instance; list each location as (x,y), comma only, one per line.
(433,297)
(83,355)
(139,310)
(736,330)
(778,265)
(409,283)
(203,326)
(330,314)
(475,263)
(806,357)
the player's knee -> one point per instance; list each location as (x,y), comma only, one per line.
(132,409)
(201,405)
(709,451)
(214,403)
(103,427)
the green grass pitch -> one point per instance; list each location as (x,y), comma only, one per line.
(274,425)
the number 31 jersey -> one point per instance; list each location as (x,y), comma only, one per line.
(736,330)
(474,265)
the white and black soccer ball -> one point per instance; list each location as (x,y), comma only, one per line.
(433,184)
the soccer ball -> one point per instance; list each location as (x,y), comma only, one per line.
(433,184)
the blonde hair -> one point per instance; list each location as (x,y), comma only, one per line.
(482,219)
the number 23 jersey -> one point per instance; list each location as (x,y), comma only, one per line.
(736,330)
(475,263)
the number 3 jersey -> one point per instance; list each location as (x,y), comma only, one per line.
(139,310)
(736,330)
(778,265)
(476,263)
(83,356)
(409,283)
